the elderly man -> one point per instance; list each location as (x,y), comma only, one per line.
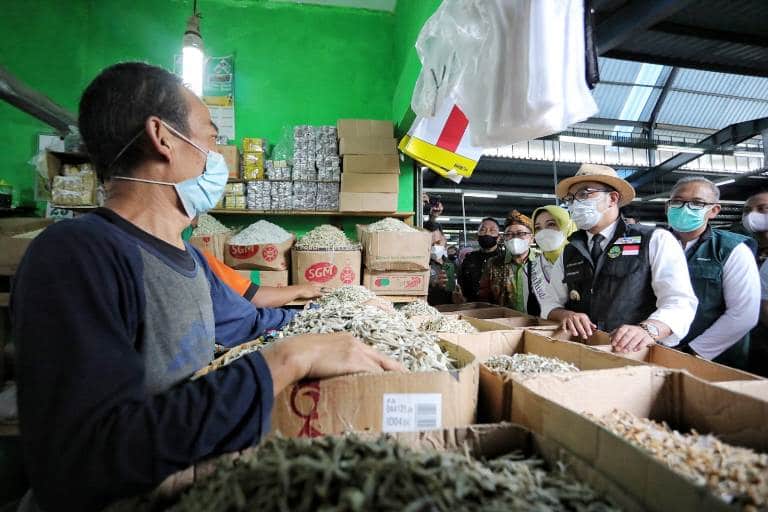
(629,280)
(723,273)
(130,312)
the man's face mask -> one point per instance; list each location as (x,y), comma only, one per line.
(198,194)
(586,214)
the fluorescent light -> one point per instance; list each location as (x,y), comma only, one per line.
(748,154)
(451,231)
(485,195)
(585,140)
(680,149)
(192,58)
(475,219)
(730,201)
(725,182)
(443,219)
(648,223)
(659,200)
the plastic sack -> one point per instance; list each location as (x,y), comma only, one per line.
(283,149)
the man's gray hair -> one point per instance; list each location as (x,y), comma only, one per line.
(697,179)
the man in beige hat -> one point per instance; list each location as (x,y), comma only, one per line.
(629,280)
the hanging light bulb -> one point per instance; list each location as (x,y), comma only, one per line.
(192,57)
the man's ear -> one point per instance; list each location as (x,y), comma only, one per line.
(615,197)
(714,211)
(159,136)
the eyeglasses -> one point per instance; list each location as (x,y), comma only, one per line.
(492,232)
(693,205)
(516,234)
(583,194)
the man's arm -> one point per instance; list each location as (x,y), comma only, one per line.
(741,290)
(275,297)
(554,296)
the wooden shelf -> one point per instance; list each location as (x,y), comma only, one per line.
(311,213)
(396,299)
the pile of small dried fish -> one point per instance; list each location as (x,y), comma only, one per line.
(326,237)
(233,354)
(261,232)
(345,474)
(737,475)
(209,225)
(419,308)
(348,293)
(448,324)
(390,224)
(528,364)
(388,332)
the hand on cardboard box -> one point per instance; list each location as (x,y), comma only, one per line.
(321,356)
(630,338)
(576,324)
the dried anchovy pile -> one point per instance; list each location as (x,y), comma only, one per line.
(388,332)
(419,308)
(326,237)
(232,355)
(341,474)
(350,293)
(735,474)
(390,224)
(448,324)
(261,232)
(528,364)
(208,225)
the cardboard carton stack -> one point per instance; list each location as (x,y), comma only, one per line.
(370,170)
(254,156)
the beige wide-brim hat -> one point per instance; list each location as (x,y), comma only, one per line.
(601,174)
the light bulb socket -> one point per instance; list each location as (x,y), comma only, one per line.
(192,36)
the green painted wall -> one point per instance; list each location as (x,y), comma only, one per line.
(295,64)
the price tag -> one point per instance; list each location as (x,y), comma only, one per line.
(409,412)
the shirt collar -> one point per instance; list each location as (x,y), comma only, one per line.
(607,232)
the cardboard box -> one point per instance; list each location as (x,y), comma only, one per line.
(514,320)
(397,282)
(273,278)
(234,202)
(754,388)
(454,308)
(12,249)
(395,250)
(556,405)
(666,357)
(261,256)
(497,402)
(378,202)
(367,146)
(254,145)
(371,164)
(385,402)
(365,128)
(353,182)
(329,269)
(232,157)
(213,244)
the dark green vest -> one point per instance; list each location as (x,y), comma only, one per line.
(617,290)
(705,267)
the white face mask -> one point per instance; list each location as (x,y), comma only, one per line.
(755,222)
(586,214)
(550,239)
(438,252)
(516,246)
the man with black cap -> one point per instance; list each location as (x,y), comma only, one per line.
(629,280)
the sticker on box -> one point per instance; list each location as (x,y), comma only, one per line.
(409,412)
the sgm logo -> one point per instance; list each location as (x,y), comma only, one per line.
(243,252)
(321,272)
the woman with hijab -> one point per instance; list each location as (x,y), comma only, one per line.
(552,226)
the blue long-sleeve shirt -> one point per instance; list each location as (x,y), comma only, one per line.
(109,324)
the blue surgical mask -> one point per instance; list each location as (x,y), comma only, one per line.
(685,220)
(198,194)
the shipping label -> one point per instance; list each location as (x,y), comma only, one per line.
(409,412)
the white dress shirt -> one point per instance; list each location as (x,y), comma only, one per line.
(741,290)
(676,302)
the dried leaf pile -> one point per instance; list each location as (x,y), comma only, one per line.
(528,364)
(349,474)
(735,474)
(326,238)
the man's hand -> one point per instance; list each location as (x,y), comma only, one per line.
(436,211)
(308,291)
(321,356)
(577,324)
(442,279)
(630,338)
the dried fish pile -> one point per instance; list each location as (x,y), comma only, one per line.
(261,232)
(419,308)
(448,324)
(737,475)
(208,225)
(388,332)
(326,238)
(350,293)
(232,355)
(344,474)
(390,224)
(528,364)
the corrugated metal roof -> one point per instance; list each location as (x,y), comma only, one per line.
(722,83)
(707,111)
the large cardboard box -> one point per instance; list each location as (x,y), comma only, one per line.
(666,357)
(754,388)
(361,182)
(395,250)
(556,406)
(386,402)
(365,128)
(453,308)
(367,146)
(397,282)
(374,164)
(12,249)
(514,320)
(232,158)
(213,244)
(497,402)
(262,256)
(379,202)
(273,278)
(329,269)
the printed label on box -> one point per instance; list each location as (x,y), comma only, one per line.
(408,412)
(321,272)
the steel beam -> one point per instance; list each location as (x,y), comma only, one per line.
(39,106)
(636,17)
